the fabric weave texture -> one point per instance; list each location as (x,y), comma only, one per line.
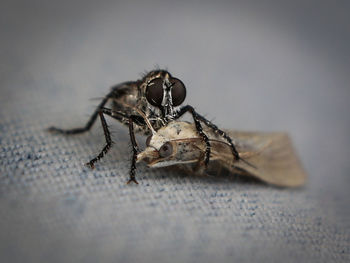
(246,65)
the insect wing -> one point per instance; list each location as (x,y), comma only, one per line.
(267,156)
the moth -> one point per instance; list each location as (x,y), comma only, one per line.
(269,157)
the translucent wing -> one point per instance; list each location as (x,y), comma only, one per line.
(267,156)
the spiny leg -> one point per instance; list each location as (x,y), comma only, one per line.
(88,124)
(116,115)
(108,145)
(221,133)
(196,118)
(211,125)
(122,117)
(134,151)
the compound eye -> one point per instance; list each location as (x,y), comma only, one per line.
(154,92)
(166,150)
(178,92)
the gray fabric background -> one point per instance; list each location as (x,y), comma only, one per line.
(249,65)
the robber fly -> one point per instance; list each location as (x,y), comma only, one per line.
(267,156)
(159,96)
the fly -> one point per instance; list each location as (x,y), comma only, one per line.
(158,96)
(269,157)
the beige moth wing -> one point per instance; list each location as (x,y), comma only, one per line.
(267,156)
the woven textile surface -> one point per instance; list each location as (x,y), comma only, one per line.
(267,67)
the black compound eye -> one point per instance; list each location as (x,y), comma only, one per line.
(178,92)
(166,150)
(154,92)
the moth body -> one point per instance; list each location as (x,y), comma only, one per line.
(269,157)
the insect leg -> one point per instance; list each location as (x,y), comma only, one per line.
(122,117)
(216,130)
(196,119)
(134,151)
(116,115)
(222,134)
(89,123)
(109,142)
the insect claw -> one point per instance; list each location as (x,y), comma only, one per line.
(132,180)
(90,165)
